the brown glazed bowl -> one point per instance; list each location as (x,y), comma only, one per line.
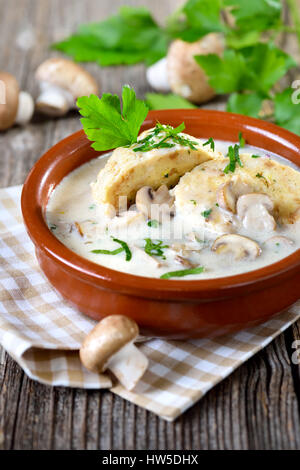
(164,308)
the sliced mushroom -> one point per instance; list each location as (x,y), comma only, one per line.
(228,193)
(155,204)
(254,211)
(241,247)
(184,262)
(17,106)
(279,240)
(110,346)
(61,83)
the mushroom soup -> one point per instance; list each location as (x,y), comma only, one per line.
(213,218)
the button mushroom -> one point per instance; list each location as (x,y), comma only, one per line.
(155,205)
(110,346)
(181,73)
(61,83)
(17,106)
(254,211)
(241,247)
(228,193)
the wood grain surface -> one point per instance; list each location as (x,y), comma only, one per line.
(257,407)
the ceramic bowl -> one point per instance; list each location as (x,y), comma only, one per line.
(162,308)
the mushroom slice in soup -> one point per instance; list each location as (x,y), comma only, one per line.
(239,246)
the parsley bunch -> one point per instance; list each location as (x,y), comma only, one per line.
(249,70)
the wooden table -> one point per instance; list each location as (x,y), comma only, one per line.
(257,407)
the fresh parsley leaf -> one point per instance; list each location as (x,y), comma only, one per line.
(153,223)
(129,37)
(196,19)
(206,213)
(287,114)
(234,158)
(245,103)
(124,247)
(226,74)
(182,272)
(108,252)
(106,125)
(255,15)
(211,143)
(155,249)
(255,68)
(241,140)
(169,101)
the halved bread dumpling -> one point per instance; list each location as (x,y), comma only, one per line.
(204,189)
(126,171)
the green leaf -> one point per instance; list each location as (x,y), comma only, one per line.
(182,272)
(196,19)
(255,68)
(255,15)
(129,37)
(266,64)
(245,103)
(106,125)
(170,101)
(225,74)
(287,114)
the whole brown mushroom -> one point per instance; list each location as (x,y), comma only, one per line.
(16,106)
(180,72)
(61,83)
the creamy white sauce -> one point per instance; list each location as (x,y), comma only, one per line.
(72,202)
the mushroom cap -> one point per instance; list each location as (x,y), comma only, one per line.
(185,75)
(155,204)
(241,247)
(64,73)
(106,339)
(245,201)
(8,111)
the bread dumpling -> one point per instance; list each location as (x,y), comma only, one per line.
(126,171)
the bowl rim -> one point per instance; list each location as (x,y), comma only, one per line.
(43,238)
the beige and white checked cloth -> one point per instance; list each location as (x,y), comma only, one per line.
(43,333)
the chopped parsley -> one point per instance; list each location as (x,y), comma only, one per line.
(182,272)
(241,140)
(211,143)
(193,202)
(153,223)
(234,158)
(155,249)
(255,156)
(124,247)
(206,213)
(92,206)
(169,138)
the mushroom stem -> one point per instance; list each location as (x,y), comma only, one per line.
(157,76)
(128,365)
(54,101)
(25,108)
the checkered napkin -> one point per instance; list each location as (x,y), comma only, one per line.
(43,333)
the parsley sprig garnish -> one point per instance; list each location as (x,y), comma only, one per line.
(153,248)
(234,158)
(211,143)
(124,247)
(168,137)
(182,272)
